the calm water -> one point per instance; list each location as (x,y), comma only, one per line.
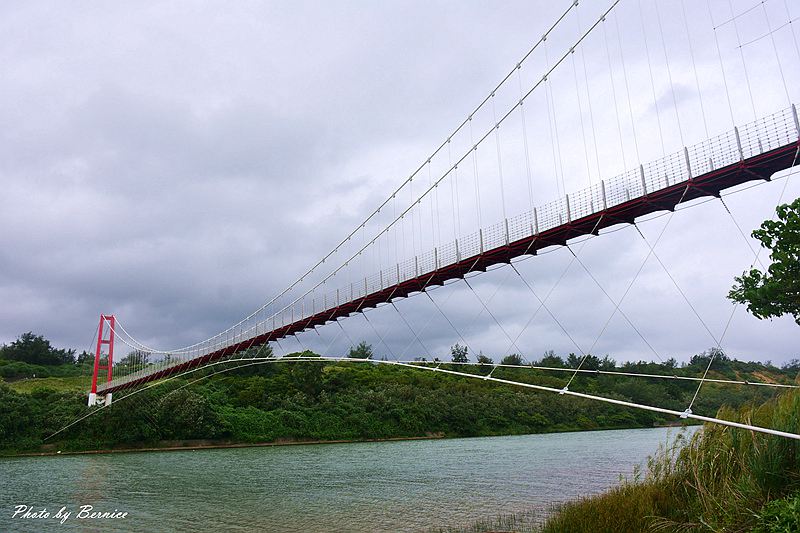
(386,486)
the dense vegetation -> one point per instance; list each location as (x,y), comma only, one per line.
(334,401)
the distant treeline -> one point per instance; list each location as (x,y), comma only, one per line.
(32,356)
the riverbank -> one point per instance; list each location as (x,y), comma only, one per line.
(210,445)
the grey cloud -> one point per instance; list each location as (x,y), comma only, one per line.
(179,164)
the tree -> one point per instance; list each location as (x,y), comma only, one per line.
(482,359)
(550,359)
(720,359)
(361,351)
(513,359)
(304,354)
(590,362)
(184,414)
(608,364)
(255,352)
(792,366)
(135,359)
(306,376)
(36,350)
(85,358)
(776,292)
(459,353)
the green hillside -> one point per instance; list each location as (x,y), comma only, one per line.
(280,401)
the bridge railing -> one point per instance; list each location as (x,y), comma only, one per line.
(755,138)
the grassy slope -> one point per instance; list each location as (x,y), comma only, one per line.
(65,384)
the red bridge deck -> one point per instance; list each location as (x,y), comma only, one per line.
(760,167)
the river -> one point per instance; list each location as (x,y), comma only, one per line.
(375,486)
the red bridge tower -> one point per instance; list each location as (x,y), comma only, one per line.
(105,335)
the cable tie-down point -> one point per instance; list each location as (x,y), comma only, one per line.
(686,413)
(563,391)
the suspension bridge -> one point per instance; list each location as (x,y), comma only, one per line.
(627,136)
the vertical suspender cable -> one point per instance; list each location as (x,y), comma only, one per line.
(669,74)
(777,55)
(791,27)
(554,141)
(652,81)
(627,89)
(694,66)
(744,63)
(589,97)
(499,160)
(475,172)
(525,143)
(585,143)
(614,95)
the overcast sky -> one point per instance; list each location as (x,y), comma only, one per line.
(179,163)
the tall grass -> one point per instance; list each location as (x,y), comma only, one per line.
(719,480)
